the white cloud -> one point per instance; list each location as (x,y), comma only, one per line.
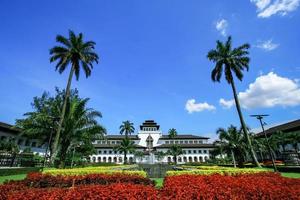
(191,106)
(222,26)
(268,91)
(267,8)
(226,104)
(267,45)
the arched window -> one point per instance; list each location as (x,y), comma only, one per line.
(120,159)
(99,159)
(104,159)
(169,159)
(179,159)
(200,159)
(184,159)
(115,159)
(130,160)
(190,159)
(94,159)
(195,159)
(109,159)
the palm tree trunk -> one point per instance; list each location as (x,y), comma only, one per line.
(233,158)
(125,157)
(57,136)
(237,103)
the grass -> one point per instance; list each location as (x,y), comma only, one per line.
(12,177)
(158,182)
(290,174)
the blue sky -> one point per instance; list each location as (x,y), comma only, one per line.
(153,59)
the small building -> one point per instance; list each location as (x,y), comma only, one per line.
(150,140)
(9,132)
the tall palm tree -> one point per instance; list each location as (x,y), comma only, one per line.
(172,133)
(230,60)
(231,140)
(126,146)
(78,54)
(127,128)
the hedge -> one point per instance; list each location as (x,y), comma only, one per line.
(39,180)
(222,171)
(20,170)
(243,187)
(96,170)
(114,191)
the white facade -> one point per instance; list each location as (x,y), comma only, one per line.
(195,148)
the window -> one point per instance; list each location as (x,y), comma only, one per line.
(104,152)
(167,142)
(204,151)
(195,141)
(199,151)
(112,142)
(190,151)
(181,142)
(110,152)
(99,152)
(195,151)
(200,142)
(33,144)
(184,151)
(20,142)
(27,143)
(185,142)
(176,142)
(191,141)
(171,142)
(115,152)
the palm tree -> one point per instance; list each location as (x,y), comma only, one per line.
(126,128)
(175,151)
(77,53)
(231,140)
(126,146)
(80,127)
(139,155)
(232,60)
(172,133)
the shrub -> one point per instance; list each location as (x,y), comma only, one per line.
(242,187)
(15,171)
(115,191)
(126,169)
(207,170)
(39,180)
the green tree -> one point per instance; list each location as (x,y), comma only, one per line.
(232,141)
(80,127)
(79,54)
(172,133)
(160,155)
(175,150)
(42,122)
(126,146)
(230,60)
(127,128)
(139,155)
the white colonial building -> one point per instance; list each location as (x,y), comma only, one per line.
(150,140)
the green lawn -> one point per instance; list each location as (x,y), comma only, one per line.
(12,177)
(158,182)
(290,174)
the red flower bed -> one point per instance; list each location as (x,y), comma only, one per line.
(114,191)
(39,180)
(251,186)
